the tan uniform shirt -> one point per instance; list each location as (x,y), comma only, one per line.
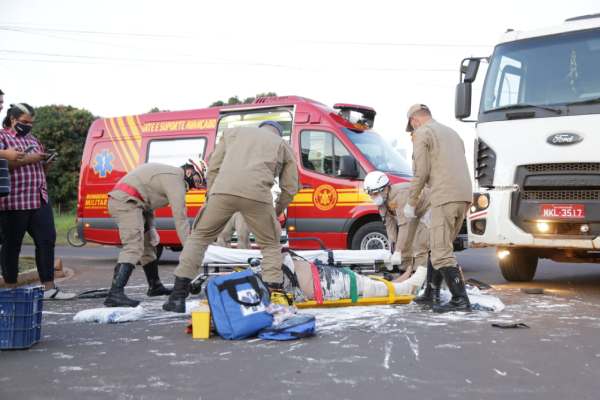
(439,161)
(401,230)
(247,161)
(159,185)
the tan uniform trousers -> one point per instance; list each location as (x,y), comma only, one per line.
(219,208)
(446,221)
(421,246)
(235,224)
(414,254)
(135,239)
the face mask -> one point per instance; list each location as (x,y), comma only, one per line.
(378,200)
(22,129)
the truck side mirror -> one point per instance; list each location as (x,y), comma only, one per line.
(470,70)
(462,100)
(347,167)
(468,73)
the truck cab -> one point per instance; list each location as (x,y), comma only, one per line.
(536,159)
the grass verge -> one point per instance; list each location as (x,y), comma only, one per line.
(62,223)
(26,263)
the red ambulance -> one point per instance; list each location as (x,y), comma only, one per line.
(334,147)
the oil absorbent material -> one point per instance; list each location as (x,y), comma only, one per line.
(115,315)
(110,315)
(479,301)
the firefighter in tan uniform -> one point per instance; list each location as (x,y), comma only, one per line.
(235,224)
(132,203)
(409,238)
(439,161)
(241,172)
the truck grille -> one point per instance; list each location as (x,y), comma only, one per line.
(569,195)
(564,167)
(557,183)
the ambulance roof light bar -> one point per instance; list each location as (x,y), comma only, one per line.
(364,121)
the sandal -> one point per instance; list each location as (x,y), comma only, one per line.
(56,294)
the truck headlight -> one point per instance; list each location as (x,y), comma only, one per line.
(543,227)
(481,201)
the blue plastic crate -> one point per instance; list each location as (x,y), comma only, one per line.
(20,317)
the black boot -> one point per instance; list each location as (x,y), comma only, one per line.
(436,283)
(116,294)
(431,295)
(155,287)
(459,300)
(176,302)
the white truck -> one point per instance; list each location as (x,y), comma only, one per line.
(537,147)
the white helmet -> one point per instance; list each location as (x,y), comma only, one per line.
(375,181)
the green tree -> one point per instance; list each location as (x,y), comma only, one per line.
(217,103)
(233,101)
(156,109)
(236,100)
(64,129)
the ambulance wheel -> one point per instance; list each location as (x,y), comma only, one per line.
(159,251)
(370,236)
(519,266)
(74,239)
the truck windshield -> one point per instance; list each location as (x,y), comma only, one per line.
(379,153)
(555,71)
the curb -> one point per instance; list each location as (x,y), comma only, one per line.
(32,276)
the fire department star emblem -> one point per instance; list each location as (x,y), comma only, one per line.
(325,197)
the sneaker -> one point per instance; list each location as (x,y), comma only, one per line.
(56,294)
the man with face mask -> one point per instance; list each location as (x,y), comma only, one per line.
(132,203)
(439,161)
(409,239)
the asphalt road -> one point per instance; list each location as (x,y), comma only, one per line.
(383,352)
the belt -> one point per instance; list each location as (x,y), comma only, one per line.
(130,190)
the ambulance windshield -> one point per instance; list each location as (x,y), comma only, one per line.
(380,154)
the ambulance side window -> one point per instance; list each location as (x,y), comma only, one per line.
(176,152)
(321,151)
(253,118)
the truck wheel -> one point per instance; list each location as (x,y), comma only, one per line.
(519,266)
(370,236)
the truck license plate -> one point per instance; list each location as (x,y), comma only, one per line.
(562,211)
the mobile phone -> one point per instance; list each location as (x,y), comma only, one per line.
(29,149)
(51,157)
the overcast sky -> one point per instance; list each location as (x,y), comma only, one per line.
(120,57)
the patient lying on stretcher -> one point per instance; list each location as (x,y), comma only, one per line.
(335,283)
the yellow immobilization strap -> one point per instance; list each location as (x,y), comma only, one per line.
(390,287)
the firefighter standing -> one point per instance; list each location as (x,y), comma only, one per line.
(241,172)
(132,203)
(439,161)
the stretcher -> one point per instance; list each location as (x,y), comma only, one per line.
(338,276)
(363,260)
(219,260)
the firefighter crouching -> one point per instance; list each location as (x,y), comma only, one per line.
(409,238)
(235,224)
(241,172)
(132,203)
(439,161)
